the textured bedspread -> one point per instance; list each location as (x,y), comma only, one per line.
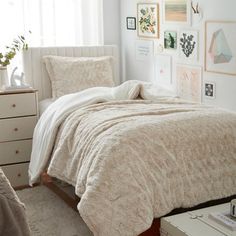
(12,213)
(134,160)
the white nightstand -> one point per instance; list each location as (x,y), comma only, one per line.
(18,117)
(196,223)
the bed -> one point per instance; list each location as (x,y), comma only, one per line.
(132,152)
(12,214)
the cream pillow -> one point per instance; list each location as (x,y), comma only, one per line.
(73,74)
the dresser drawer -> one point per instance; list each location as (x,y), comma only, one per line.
(15,105)
(17,128)
(17,174)
(14,152)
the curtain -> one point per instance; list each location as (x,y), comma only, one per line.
(52,22)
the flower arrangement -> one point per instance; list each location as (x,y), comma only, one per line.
(18,44)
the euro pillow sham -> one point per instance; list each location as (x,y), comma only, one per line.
(74,74)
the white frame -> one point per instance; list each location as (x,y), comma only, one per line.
(195,55)
(177,46)
(163,62)
(188,95)
(188,14)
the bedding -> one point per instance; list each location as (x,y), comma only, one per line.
(132,160)
(44,104)
(73,74)
(12,213)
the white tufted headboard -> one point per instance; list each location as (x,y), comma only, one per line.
(35,71)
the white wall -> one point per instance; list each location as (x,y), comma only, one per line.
(111,18)
(212,10)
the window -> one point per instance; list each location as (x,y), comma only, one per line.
(52,22)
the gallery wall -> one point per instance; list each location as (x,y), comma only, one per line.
(134,68)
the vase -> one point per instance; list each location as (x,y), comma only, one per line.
(4,80)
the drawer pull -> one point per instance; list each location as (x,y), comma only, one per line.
(19,175)
(16,129)
(14,105)
(17,151)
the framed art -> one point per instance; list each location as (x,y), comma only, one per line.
(130,23)
(220,47)
(189,82)
(188,42)
(163,67)
(148,20)
(210,89)
(178,12)
(144,50)
(170,40)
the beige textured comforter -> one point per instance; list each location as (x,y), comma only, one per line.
(134,160)
(12,212)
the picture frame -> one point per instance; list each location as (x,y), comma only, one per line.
(220,47)
(131,23)
(177,12)
(163,68)
(188,44)
(170,39)
(209,89)
(144,50)
(148,20)
(189,82)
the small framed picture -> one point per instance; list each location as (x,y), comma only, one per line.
(170,40)
(188,43)
(209,89)
(131,23)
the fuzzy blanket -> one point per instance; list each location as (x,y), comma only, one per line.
(12,212)
(133,160)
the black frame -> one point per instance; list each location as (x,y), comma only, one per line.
(127,23)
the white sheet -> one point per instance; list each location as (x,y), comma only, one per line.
(44,104)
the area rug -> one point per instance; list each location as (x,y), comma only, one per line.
(48,215)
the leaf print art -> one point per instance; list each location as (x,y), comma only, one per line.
(148,20)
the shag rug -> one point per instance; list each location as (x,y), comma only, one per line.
(48,215)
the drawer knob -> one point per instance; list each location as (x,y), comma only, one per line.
(17,151)
(19,174)
(13,105)
(16,129)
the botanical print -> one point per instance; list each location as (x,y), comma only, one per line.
(163,69)
(220,48)
(189,82)
(170,40)
(189,44)
(148,20)
(176,10)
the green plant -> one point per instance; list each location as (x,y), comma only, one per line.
(18,44)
